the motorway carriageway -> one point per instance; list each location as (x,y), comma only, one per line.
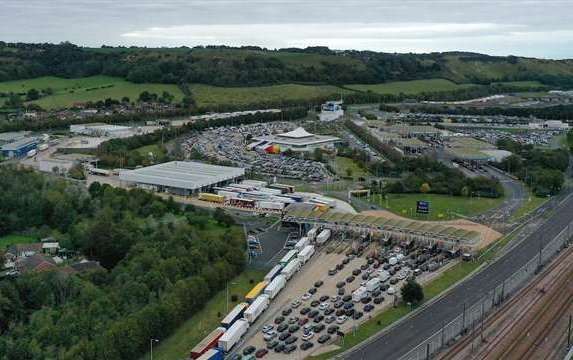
(416,329)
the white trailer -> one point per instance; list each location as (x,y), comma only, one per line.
(305,254)
(291,268)
(288,257)
(270,205)
(275,286)
(273,273)
(233,334)
(43,147)
(373,284)
(312,233)
(227,194)
(359,294)
(267,190)
(302,243)
(323,236)
(260,304)
(255,183)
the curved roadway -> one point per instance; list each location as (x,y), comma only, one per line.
(413,331)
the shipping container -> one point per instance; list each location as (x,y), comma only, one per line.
(234,315)
(305,254)
(259,305)
(288,257)
(208,342)
(302,243)
(255,183)
(244,203)
(212,198)
(291,268)
(359,294)
(373,284)
(43,147)
(273,273)
(275,286)
(233,334)
(256,291)
(286,188)
(213,354)
(323,236)
(31,153)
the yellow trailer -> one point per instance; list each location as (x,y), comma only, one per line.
(212,197)
(256,291)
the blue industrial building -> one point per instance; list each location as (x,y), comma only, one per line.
(18,149)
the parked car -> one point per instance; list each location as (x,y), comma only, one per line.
(289,348)
(378,300)
(368,308)
(324,306)
(286,312)
(302,321)
(324,338)
(279,320)
(312,291)
(291,339)
(332,329)
(293,320)
(357,315)
(309,335)
(306,345)
(366,300)
(318,318)
(328,311)
(267,328)
(284,336)
(272,344)
(306,296)
(312,314)
(350,279)
(270,335)
(318,283)
(329,319)
(315,303)
(340,284)
(341,319)
(318,328)
(293,328)
(347,298)
(249,350)
(304,310)
(279,348)
(324,298)
(331,272)
(261,353)
(282,327)
(356,272)
(341,291)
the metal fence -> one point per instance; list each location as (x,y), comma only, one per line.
(471,317)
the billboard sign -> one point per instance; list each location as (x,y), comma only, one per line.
(423,207)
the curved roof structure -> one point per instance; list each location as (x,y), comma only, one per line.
(297,133)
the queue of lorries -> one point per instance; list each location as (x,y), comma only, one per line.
(237,322)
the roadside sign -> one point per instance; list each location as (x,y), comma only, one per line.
(423,207)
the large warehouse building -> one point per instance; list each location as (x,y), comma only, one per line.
(180,177)
(19,148)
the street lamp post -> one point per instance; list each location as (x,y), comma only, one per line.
(151,341)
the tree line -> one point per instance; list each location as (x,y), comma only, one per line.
(164,261)
(555,112)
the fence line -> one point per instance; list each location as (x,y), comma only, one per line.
(471,316)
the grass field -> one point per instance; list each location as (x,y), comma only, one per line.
(177,346)
(442,207)
(531,203)
(411,87)
(343,164)
(155,149)
(207,95)
(66,92)
(9,240)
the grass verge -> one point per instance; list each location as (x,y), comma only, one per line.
(9,240)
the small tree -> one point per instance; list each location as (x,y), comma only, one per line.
(412,292)
(425,188)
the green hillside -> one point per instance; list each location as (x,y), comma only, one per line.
(410,87)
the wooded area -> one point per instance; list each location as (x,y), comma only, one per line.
(163,261)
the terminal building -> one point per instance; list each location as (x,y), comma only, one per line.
(331,111)
(181,177)
(19,148)
(298,140)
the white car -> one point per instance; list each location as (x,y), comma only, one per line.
(307,336)
(334,298)
(267,328)
(295,304)
(391,290)
(307,327)
(341,319)
(323,306)
(270,335)
(306,296)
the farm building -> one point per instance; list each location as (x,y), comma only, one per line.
(18,148)
(181,177)
(297,140)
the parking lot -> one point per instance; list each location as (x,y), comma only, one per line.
(317,304)
(229,144)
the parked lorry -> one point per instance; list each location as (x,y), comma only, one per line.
(359,294)
(312,233)
(234,315)
(291,268)
(212,198)
(270,205)
(213,354)
(305,254)
(255,291)
(276,270)
(291,255)
(208,342)
(43,147)
(233,335)
(323,236)
(373,284)
(259,305)
(302,243)
(275,286)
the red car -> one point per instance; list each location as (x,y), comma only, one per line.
(261,353)
(302,321)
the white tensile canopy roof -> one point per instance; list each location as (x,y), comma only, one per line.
(297,133)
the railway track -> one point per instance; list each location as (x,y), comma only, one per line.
(520,328)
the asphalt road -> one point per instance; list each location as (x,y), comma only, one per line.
(413,331)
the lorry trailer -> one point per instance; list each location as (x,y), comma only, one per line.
(291,268)
(234,315)
(275,286)
(255,291)
(208,342)
(259,305)
(276,270)
(323,236)
(212,354)
(233,334)
(305,254)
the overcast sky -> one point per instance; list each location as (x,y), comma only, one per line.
(541,28)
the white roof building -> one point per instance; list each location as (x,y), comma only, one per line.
(297,140)
(180,177)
